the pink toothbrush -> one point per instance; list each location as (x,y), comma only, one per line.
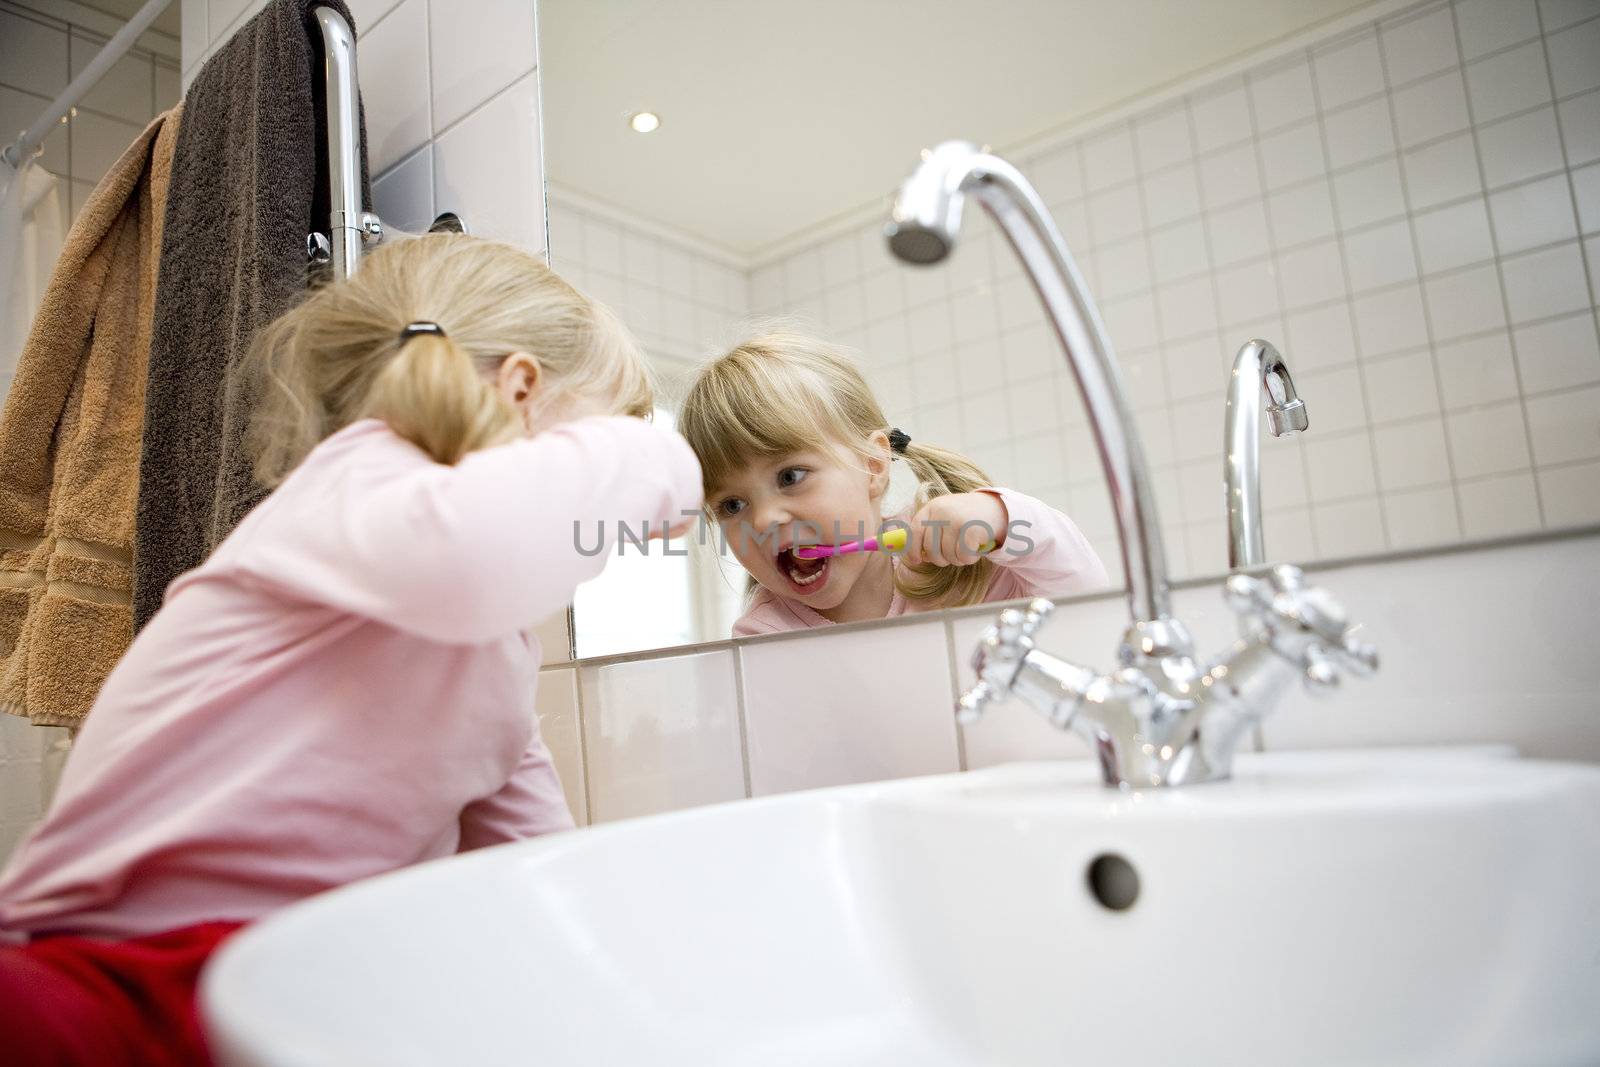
(892,541)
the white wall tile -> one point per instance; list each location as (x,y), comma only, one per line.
(1491,440)
(1508,82)
(1221,117)
(1321,337)
(1414,47)
(1349,527)
(1443,171)
(1559,353)
(1465,302)
(1115,214)
(1302,214)
(487,168)
(1108,158)
(367,13)
(1229,176)
(1369,193)
(1390,321)
(1293,155)
(1340,466)
(1172,195)
(1180,251)
(1349,71)
(1571,495)
(1538,213)
(1412,454)
(559,727)
(1565,426)
(1477,370)
(1545,283)
(1420,517)
(1575,59)
(882,709)
(1586,191)
(1401,387)
(1580,127)
(661,734)
(1490,25)
(124,91)
(97,143)
(1358,133)
(1559,14)
(1238,233)
(195,36)
(1431,108)
(403,198)
(1163,139)
(1500,506)
(476,55)
(1282,96)
(1519,148)
(1454,236)
(18,110)
(1479,612)
(390,60)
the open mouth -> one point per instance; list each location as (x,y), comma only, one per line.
(803,575)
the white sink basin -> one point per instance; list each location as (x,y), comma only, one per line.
(1360,907)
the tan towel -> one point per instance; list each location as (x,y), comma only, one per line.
(69,446)
(248,185)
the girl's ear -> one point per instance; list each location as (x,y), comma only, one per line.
(878,459)
(519,381)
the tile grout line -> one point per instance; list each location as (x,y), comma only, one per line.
(744,726)
(1430,329)
(583,741)
(1499,269)
(1275,254)
(955,689)
(1589,268)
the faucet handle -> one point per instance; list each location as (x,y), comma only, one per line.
(1304,624)
(999,653)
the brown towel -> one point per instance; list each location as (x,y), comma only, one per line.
(249,182)
(69,446)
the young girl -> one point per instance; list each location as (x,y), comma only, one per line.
(796,451)
(346,685)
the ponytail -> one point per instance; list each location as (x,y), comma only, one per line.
(432,394)
(941,472)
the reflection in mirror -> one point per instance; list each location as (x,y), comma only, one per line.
(1212,168)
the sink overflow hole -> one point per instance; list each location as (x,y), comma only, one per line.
(1113,881)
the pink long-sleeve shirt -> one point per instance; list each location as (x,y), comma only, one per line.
(1060,562)
(345,687)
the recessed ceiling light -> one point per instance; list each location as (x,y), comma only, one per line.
(644,121)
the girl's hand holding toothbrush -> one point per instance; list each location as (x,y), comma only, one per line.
(937,534)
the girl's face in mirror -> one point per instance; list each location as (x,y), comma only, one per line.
(774,505)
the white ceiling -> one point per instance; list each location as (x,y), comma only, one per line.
(780,114)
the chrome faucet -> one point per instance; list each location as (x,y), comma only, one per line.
(1162,718)
(1258,369)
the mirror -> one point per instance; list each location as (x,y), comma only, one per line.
(1220,171)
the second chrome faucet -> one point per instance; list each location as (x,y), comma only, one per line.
(1163,717)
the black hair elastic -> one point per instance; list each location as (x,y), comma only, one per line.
(898,440)
(411,329)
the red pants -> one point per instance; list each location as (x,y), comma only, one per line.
(75,1002)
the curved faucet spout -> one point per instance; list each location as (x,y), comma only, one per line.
(1258,369)
(923,229)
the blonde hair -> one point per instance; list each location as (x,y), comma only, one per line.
(339,357)
(783,392)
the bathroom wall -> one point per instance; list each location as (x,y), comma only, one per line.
(452,110)
(43,43)
(1410,209)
